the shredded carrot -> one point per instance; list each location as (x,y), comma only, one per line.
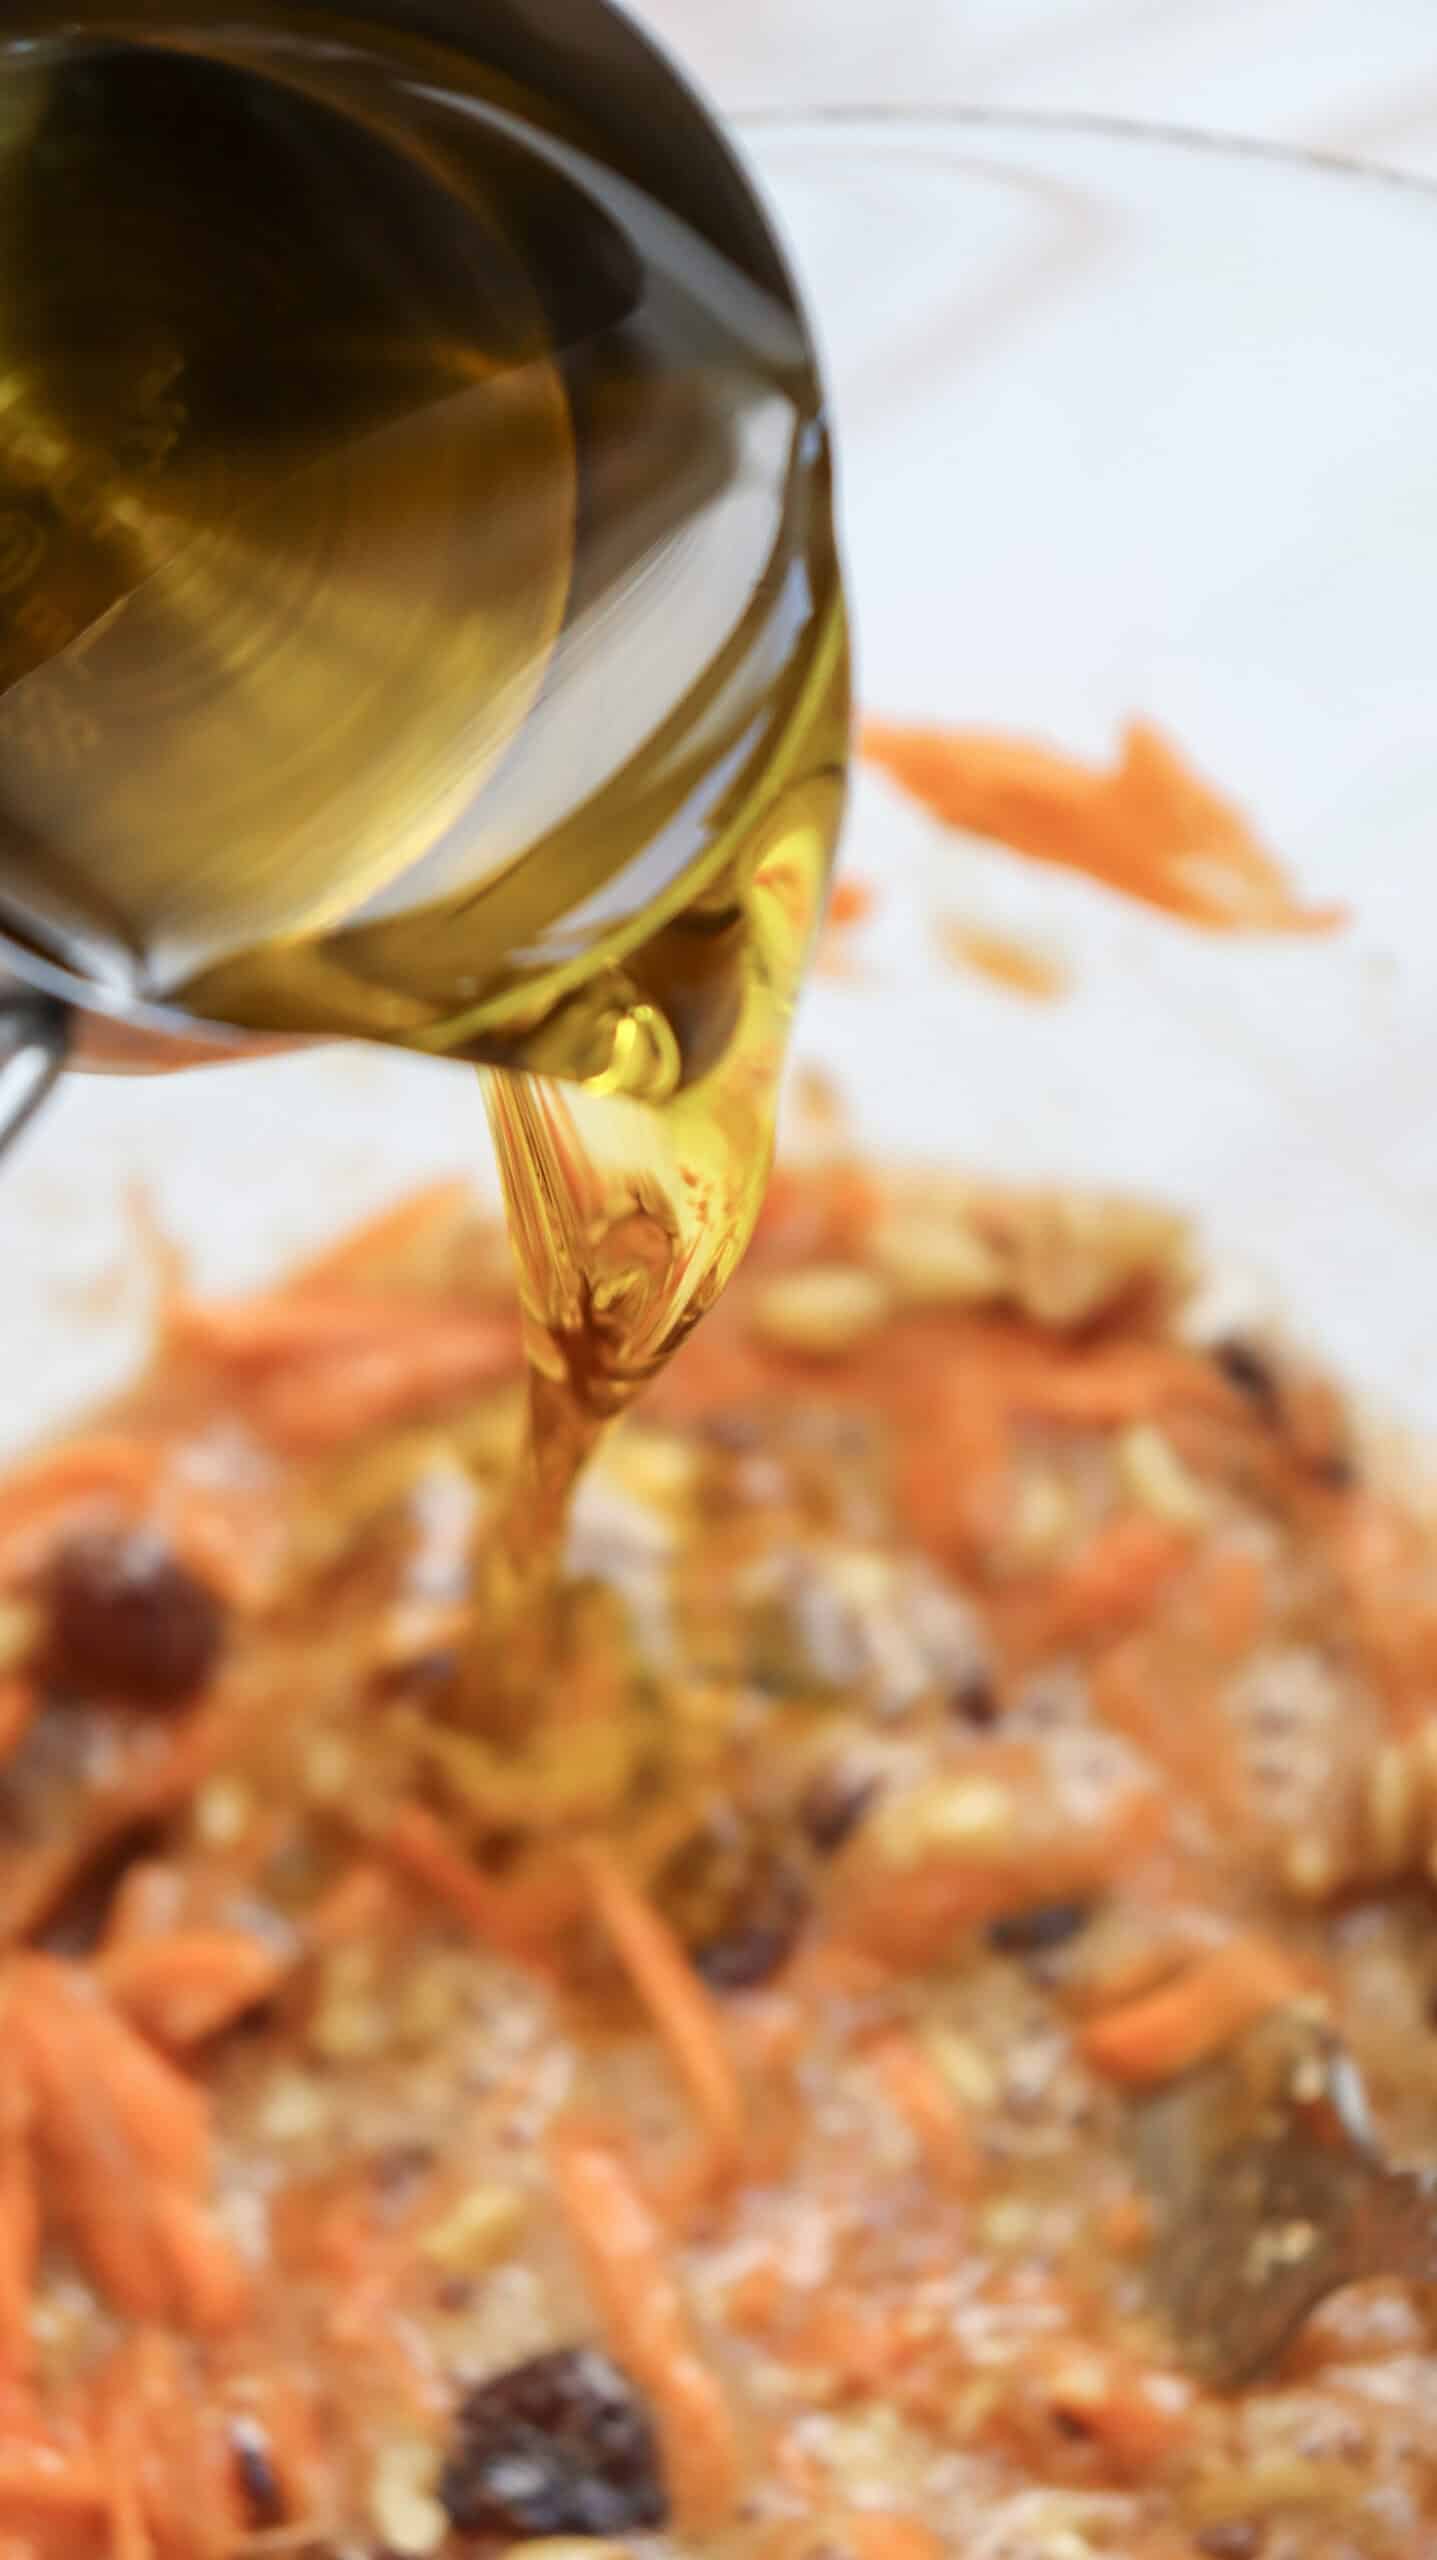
(1162,1700)
(19,2233)
(38,1501)
(1127,2226)
(165,2455)
(870,2533)
(111,2116)
(130,2537)
(144,1785)
(1020,968)
(17,1708)
(850,902)
(147,1903)
(341,1395)
(502,1915)
(1138,2417)
(1233,1600)
(210,2290)
(1109,1383)
(40,2479)
(81,2051)
(1147,826)
(389,1240)
(676,2000)
(917,2089)
(225,1537)
(1187,2020)
(192,1983)
(898,1906)
(623,2257)
(1114,1581)
(288,1326)
(361,1903)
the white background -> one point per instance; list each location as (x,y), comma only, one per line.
(1356,75)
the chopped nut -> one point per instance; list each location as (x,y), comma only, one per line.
(349,2022)
(19,1629)
(1391,1807)
(1006,2224)
(566,2546)
(223,1810)
(931,1260)
(967,2071)
(402,2504)
(822,1310)
(946,1814)
(1072,1258)
(1043,1517)
(1309,1869)
(328,1769)
(294,2106)
(475,2231)
(1157,1480)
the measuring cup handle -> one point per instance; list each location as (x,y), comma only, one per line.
(34,1044)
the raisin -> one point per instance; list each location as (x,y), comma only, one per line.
(975,1702)
(833,1806)
(761,1937)
(1235,2539)
(735,1899)
(561,2444)
(255,2475)
(127,1619)
(1038,1930)
(1247,1369)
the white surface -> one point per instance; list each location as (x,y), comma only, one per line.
(1357,75)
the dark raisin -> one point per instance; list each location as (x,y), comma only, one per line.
(1337,1470)
(734,1896)
(399,2172)
(259,2487)
(1247,1369)
(975,1701)
(833,1805)
(761,1936)
(1238,2539)
(127,1619)
(561,2444)
(1036,1931)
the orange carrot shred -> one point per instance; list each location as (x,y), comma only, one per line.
(623,2257)
(676,2000)
(851,901)
(19,2234)
(1146,826)
(418,1843)
(17,1708)
(922,2097)
(1185,2021)
(391,1237)
(190,1984)
(340,1395)
(1020,968)
(41,2479)
(1113,1582)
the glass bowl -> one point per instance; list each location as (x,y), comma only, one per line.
(1129,424)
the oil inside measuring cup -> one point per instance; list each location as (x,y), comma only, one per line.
(413,542)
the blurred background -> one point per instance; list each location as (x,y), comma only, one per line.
(1333,73)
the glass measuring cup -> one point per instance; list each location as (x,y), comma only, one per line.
(416,581)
